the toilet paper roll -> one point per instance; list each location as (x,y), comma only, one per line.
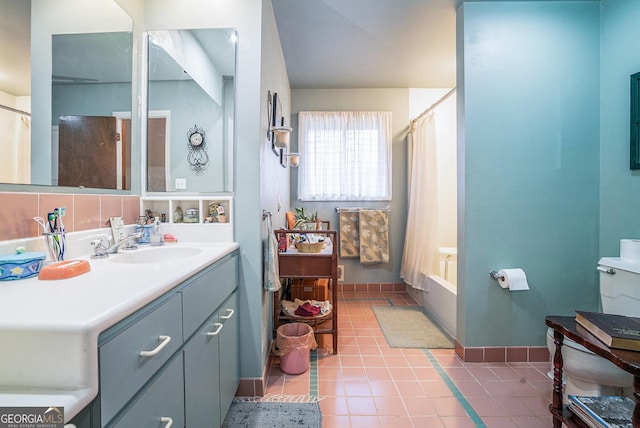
(513,279)
(630,249)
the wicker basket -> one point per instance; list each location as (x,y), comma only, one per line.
(305,247)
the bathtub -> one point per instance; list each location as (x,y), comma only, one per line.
(440,300)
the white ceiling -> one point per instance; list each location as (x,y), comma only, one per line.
(326,43)
(368,43)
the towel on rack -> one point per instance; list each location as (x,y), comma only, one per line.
(374,236)
(349,235)
(271,277)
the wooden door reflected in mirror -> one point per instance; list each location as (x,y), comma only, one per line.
(156,154)
(94,151)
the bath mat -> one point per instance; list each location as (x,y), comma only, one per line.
(269,414)
(410,327)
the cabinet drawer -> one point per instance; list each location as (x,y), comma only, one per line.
(207,292)
(162,403)
(123,370)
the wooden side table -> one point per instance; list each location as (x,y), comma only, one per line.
(628,361)
(293,264)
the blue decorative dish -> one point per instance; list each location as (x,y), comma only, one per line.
(21,265)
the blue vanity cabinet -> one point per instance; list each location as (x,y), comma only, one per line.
(168,364)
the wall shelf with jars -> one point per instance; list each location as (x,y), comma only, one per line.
(209,210)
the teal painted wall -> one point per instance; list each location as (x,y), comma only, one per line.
(246,17)
(619,186)
(529,165)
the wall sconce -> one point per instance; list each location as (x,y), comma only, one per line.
(281,135)
(293,159)
(277,134)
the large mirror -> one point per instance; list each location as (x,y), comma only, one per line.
(191,104)
(76,68)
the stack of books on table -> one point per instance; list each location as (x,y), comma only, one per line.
(603,412)
(615,331)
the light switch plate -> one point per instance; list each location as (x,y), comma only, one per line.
(181,183)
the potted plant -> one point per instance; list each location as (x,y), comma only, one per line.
(305,221)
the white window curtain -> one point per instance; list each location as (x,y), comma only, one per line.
(345,155)
(421,239)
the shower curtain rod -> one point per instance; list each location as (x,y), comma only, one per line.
(15,110)
(433,106)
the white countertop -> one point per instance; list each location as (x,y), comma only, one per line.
(49,329)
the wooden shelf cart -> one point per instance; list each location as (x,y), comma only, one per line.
(297,265)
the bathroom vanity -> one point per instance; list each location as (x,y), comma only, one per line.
(629,361)
(146,336)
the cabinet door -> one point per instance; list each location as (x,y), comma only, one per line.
(229,352)
(202,376)
(160,405)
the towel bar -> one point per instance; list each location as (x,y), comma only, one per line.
(356,209)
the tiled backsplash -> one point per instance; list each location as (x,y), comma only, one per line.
(82,211)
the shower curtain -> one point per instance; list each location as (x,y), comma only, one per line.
(421,238)
(24,150)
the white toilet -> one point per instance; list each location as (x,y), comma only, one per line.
(586,373)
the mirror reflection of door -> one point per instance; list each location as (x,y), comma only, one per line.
(87,152)
(156,156)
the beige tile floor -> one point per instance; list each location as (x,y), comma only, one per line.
(368,384)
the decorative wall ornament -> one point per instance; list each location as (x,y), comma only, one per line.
(197,158)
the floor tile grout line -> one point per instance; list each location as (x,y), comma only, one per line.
(475,418)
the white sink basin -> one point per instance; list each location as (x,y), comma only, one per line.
(154,255)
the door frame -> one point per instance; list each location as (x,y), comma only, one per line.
(159,114)
(120,116)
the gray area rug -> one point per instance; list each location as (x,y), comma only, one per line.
(254,414)
(410,327)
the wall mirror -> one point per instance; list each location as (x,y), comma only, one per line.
(77,65)
(191,90)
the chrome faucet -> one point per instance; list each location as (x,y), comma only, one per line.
(100,250)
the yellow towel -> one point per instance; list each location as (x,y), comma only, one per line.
(374,236)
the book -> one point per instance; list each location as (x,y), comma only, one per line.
(603,412)
(615,331)
(583,416)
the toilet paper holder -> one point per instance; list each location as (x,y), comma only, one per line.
(494,274)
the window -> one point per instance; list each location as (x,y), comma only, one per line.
(346,156)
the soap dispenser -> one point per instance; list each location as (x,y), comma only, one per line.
(156,235)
